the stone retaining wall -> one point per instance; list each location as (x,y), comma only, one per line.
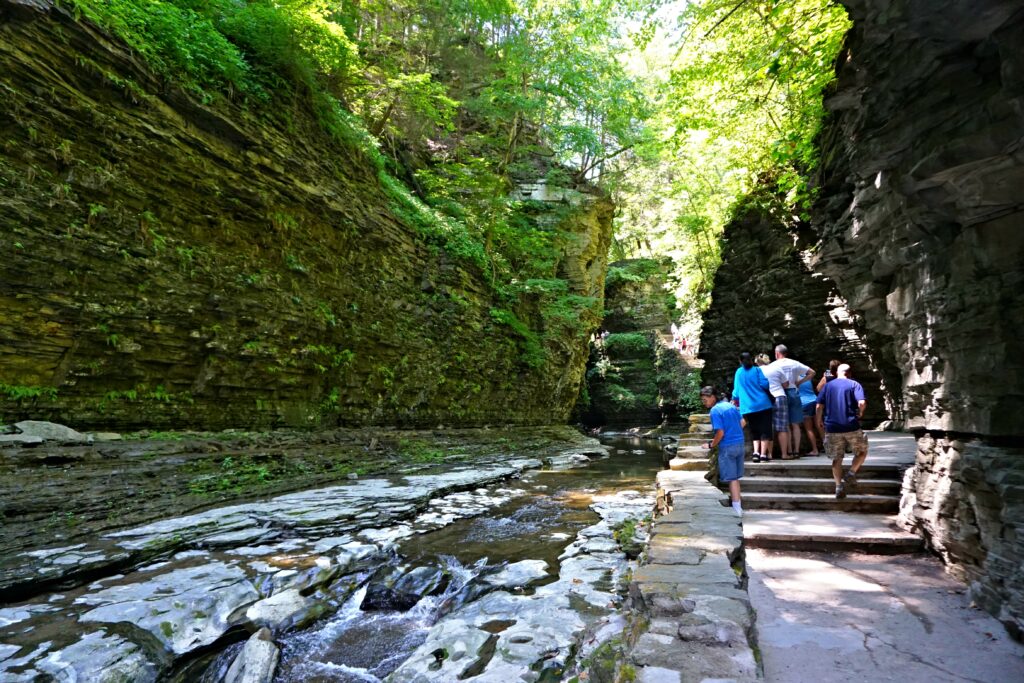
(701,625)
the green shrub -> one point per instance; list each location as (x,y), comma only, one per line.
(627,342)
(28,393)
(622,397)
(176,41)
(689,396)
(637,270)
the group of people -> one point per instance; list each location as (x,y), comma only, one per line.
(679,342)
(774,399)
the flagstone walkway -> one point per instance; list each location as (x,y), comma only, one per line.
(852,617)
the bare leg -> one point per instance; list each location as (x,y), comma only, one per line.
(794,430)
(784,443)
(837,470)
(734,490)
(766,448)
(858,460)
(809,427)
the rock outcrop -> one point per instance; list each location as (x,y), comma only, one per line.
(920,216)
(171,262)
(765,293)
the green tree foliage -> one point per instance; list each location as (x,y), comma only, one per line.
(739,86)
(674,106)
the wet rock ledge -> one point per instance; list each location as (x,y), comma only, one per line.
(694,613)
(168,595)
(63,502)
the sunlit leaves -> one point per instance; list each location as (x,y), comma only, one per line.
(739,84)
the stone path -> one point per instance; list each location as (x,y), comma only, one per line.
(833,618)
(700,617)
(800,530)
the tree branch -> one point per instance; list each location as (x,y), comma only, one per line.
(721,21)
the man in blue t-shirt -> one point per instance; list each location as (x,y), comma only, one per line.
(750,388)
(728,437)
(840,407)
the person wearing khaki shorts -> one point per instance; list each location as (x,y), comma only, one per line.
(840,407)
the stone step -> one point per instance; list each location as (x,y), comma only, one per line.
(700,428)
(816,468)
(688,464)
(820,501)
(797,530)
(700,418)
(888,487)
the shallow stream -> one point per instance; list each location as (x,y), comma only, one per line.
(488,571)
(545,511)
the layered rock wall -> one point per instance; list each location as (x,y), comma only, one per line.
(920,219)
(634,377)
(765,294)
(175,263)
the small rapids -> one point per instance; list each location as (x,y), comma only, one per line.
(525,570)
(355,646)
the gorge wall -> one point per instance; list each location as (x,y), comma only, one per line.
(765,293)
(920,221)
(170,262)
(634,377)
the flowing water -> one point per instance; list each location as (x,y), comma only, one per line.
(543,512)
(412,576)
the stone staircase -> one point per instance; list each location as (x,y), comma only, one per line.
(689,456)
(791,504)
(807,484)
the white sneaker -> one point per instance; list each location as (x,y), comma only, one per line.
(738,509)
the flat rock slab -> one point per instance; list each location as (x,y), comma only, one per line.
(699,610)
(49,431)
(815,527)
(687,465)
(852,617)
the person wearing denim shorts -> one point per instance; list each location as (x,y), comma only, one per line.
(728,437)
(839,411)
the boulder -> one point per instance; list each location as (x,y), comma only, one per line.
(380,598)
(49,431)
(256,662)
(280,610)
(423,581)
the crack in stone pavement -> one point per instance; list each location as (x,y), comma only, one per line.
(911,656)
(926,623)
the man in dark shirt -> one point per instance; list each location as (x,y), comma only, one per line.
(840,407)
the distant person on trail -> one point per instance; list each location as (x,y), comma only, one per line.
(785,375)
(840,408)
(728,437)
(809,402)
(750,387)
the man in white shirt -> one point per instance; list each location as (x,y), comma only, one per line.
(784,377)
